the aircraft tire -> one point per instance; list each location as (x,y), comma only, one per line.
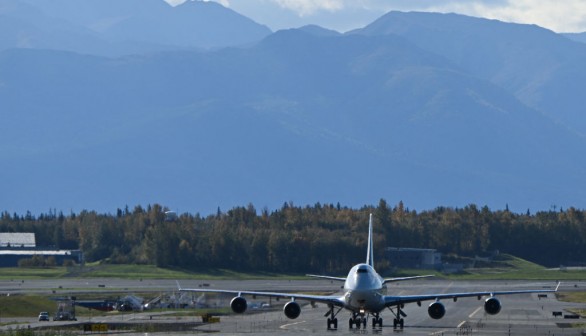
(332,323)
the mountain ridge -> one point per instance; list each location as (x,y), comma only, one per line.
(302,115)
(522,57)
(125,27)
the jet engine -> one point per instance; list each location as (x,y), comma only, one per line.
(292,309)
(238,305)
(492,306)
(436,310)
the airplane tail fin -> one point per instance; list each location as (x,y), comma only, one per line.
(369,253)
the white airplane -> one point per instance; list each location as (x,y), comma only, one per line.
(365,296)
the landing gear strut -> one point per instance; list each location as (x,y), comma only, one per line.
(357,320)
(377,320)
(332,320)
(398,320)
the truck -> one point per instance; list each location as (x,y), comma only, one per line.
(65,311)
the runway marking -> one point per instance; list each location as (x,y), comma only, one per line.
(469,316)
(285,326)
(448,287)
(474,312)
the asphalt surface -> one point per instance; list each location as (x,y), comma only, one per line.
(525,314)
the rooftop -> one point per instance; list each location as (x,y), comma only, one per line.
(17,239)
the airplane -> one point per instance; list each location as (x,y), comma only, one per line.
(365,295)
(128,303)
(101,305)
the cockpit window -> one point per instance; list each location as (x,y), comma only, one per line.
(362,270)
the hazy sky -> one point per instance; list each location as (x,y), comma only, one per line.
(343,15)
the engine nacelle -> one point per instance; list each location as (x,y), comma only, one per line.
(238,305)
(292,309)
(492,306)
(436,310)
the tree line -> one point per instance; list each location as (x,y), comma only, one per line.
(320,238)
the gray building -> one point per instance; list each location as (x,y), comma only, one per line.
(18,246)
(17,239)
(406,257)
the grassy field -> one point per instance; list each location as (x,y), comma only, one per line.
(30,305)
(579,297)
(505,267)
(508,267)
(24,305)
(572,296)
(129,272)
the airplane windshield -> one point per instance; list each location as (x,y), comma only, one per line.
(362,270)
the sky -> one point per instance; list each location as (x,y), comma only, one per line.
(561,16)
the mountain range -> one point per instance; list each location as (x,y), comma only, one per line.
(121,27)
(112,103)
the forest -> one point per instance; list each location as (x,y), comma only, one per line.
(323,238)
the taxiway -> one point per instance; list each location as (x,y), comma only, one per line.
(525,314)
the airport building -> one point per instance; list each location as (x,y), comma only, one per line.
(17,239)
(405,257)
(15,247)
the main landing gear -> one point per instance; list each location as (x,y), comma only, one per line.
(332,321)
(360,321)
(398,321)
(357,320)
(377,320)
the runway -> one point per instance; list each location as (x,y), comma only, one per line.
(525,314)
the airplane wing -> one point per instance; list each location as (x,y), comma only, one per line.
(327,299)
(384,281)
(326,277)
(406,278)
(397,300)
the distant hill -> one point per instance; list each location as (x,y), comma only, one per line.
(579,37)
(541,68)
(449,116)
(118,27)
(25,26)
(317,30)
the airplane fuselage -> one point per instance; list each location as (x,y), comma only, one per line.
(364,290)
